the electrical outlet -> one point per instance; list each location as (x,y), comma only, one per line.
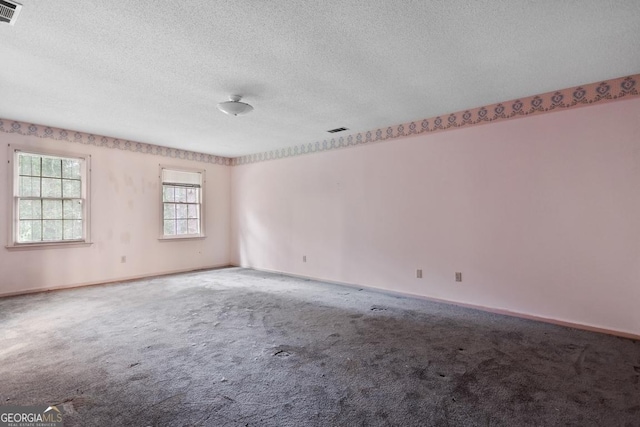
(419,273)
(304,258)
(458,277)
(123,259)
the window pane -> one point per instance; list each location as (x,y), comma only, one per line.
(192,195)
(30,209)
(181,226)
(167,194)
(51,230)
(194,226)
(29,231)
(169,227)
(169,211)
(77,230)
(24,232)
(25,209)
(24,164)
(71,168)
(72,209)
(72,230)
(52,209)
(181,211)
(51,167)
(67,229)
(71,188)
(29,187)
(51,187)
(36,165)
(24,187)
(36,230)
(181,194)
(193,211)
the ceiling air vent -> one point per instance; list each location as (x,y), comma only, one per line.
(330,131)
(9,11)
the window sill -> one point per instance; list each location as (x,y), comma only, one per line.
(179,238)
(52,245)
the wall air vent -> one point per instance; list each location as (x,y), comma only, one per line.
(330,131)
(9,11)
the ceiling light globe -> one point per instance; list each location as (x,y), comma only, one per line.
(234,107)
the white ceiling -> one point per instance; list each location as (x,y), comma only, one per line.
(153,70)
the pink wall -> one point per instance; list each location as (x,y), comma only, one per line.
(540,214)
(125,221)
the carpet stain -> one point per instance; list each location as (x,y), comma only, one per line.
(579,363)
(74,404)
(421,373)
(412,395)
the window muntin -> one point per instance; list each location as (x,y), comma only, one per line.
(49,199)
(182,204)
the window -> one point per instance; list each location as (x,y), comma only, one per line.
(182,204)
(50,199)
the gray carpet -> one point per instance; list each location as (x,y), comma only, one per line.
(236,347)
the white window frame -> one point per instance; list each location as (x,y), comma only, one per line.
(13,197)
(203,180)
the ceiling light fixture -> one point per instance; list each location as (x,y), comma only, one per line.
(234,107)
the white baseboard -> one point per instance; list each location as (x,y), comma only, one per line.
(110,281)
(585,327)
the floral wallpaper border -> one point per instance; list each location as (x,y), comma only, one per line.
(578,96)
(107,142)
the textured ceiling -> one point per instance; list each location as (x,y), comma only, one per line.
(153,70)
